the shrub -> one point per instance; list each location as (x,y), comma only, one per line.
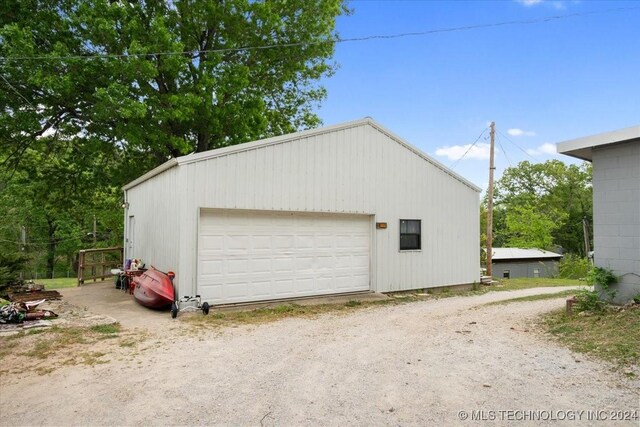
(588,301)
(573,267)
(11,264)
(602,278)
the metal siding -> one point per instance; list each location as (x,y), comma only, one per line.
(356,170)
(156,232)
(525,269)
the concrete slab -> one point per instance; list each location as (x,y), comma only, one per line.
(104,299)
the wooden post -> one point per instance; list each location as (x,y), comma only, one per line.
(490,203)
(81,268)
(102,266)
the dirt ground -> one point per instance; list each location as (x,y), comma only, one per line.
(424,363)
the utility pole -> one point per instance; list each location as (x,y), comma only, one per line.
(23,243)
(490,202)
(95,231)
(23,237)
(585,232)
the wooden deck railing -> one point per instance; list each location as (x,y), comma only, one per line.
(94,264)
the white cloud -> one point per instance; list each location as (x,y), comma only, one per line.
(520,132)
(546,148)
(556,4)
(455,152)
(529,2)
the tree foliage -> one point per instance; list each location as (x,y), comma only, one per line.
(543,205)
(97,92)
(159,78)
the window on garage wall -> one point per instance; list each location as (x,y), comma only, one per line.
(410,238)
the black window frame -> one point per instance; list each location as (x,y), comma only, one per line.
(411,236)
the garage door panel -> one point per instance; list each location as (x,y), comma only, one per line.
(262,242)
(248,256)
(258,289)
(261,266)
(305,264)
(235,290)
(237,243)
(283,287)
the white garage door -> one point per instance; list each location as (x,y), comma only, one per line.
(261,255)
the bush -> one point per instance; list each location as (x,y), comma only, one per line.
(573,267)
(588,301)
(602,278)
(591,300)
(11,264)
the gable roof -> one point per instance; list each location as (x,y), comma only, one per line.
(196,157)
(582,147)
(501,254)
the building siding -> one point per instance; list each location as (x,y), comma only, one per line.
(616,214)
(359,170)
(153,204)
(547,268)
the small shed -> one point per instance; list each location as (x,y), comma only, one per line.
(510,263)
(339,209)
(615,157)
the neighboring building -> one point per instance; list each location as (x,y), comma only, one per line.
(616,203)
(509,263)
(339,209)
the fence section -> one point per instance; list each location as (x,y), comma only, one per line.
(94,264)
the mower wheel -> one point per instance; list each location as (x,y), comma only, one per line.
(174,310)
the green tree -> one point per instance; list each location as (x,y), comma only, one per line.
(97,92)
(526,227)
(160,78)
(551,193)
(54,198)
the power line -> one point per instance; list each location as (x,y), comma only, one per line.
(520,148)
(453,165)
(504,152)
(17,92)
(330,40)
(105,235)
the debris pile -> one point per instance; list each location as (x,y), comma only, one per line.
(18,311)
(22,304)
(34,296)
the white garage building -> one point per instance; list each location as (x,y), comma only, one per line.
(339,209)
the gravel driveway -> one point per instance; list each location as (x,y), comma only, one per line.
(413,364)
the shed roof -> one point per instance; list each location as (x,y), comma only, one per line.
(196,157)
(582,147)
(500,254)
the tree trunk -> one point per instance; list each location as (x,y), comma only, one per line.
(203,141)
(51,248)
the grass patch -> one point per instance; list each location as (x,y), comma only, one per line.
(533,282)
(533,298)
(111,329)
(282,311)
(271,314)
(44,350)
(612,334)
(62,282)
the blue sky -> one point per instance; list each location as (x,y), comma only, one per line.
(541,83)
